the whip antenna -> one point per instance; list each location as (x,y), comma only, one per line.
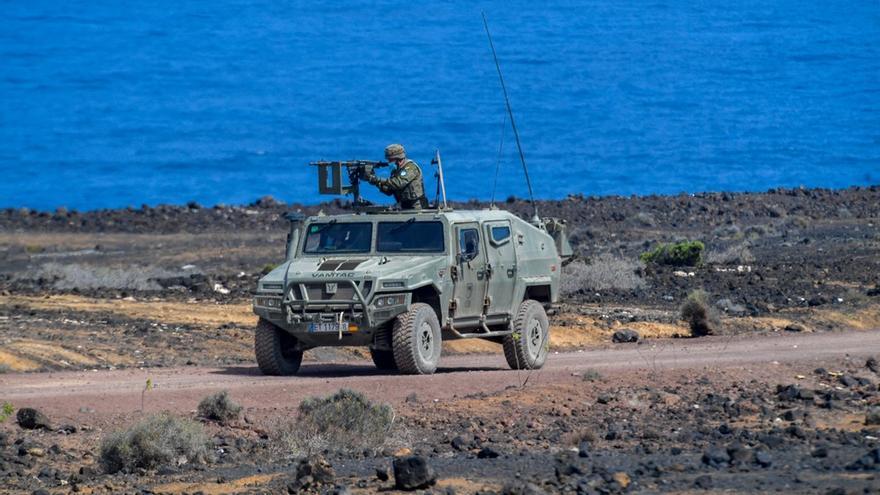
(522,157)
(498,161)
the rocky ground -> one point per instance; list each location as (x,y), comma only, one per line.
(168,286)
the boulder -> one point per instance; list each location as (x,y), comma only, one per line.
(32,419)
(317,468)
(413,473)
(872,418)
(625,335)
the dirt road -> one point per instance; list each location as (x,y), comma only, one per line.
(110,393)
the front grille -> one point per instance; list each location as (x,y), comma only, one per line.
(331,291)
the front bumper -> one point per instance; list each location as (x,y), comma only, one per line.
(348,301)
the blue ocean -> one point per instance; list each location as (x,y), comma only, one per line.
(109,104)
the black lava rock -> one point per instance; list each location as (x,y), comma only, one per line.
(488,453)
(413,473)
(763,458)
(520,488)
(625,335)
(32,419)
(703,482)
(317,468)
(716,457)
(382,474)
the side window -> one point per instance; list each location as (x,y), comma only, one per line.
(469,244)
(500,234)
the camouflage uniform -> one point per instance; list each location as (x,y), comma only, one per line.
(405,183)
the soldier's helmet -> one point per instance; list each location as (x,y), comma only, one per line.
(394,152)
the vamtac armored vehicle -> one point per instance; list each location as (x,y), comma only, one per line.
(401,282)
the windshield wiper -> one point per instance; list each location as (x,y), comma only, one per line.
(324,227)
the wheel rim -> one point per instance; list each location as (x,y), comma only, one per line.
(534,338)
(425,342)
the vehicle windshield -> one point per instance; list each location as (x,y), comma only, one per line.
(410,237)
(333,237)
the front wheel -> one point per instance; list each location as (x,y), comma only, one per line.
(526,348)
(276,350)
(415,339)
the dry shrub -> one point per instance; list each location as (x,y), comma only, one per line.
(219,407)
(699,315)
(156,441)
(602,273)
(733,255)
(344,421)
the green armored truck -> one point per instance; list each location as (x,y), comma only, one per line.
(401,282)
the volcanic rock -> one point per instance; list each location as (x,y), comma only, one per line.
(32,419)
(413,473)
(625,335)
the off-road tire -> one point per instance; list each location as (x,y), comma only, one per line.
(415,339)
(526,348)
(275,350)
(384,360)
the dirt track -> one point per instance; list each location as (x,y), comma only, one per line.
(179,389)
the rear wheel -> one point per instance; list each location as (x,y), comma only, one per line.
(526,348)
(276,350)
(415,339)
(384,360)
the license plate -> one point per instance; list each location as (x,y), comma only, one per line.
(328,327)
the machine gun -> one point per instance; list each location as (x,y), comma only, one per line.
(330,177)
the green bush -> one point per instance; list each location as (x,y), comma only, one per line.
(344,421)
(699,315)
(156,441)
(687,253)
(219,407)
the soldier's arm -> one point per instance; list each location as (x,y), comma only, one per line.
(409,173)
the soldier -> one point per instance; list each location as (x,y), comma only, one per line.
(405,182)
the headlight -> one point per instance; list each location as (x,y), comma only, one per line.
(392,300)
(267,302)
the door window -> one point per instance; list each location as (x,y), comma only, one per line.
(469,244)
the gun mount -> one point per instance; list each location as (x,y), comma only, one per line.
(330,177)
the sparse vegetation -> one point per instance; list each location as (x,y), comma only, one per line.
(604,272)
(591,375)
(6,411)
(344,421)
(686,253)
(33,249)
(268,267)
(156,441)
(5,368)
(699,315)
(219,407)
(734,255)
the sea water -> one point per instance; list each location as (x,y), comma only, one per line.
(109,104)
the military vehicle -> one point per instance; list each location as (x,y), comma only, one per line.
(403,281)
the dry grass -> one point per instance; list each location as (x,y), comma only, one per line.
(604,272)
(219,407)
(738,254)
(699,315)
(156,441)
(344,421)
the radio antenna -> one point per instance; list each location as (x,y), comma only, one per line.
(522,157)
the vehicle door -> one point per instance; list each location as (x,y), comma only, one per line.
(471,283)
(502,266)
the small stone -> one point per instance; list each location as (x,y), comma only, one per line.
(703,482)
(317,468)
(848,381)
(413,473)
(763,458)
(872,418)
(462,442)
(872,364)
(621,479)
(584,449)
(739,453)
(520,488)
(625,335)
(412,398)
